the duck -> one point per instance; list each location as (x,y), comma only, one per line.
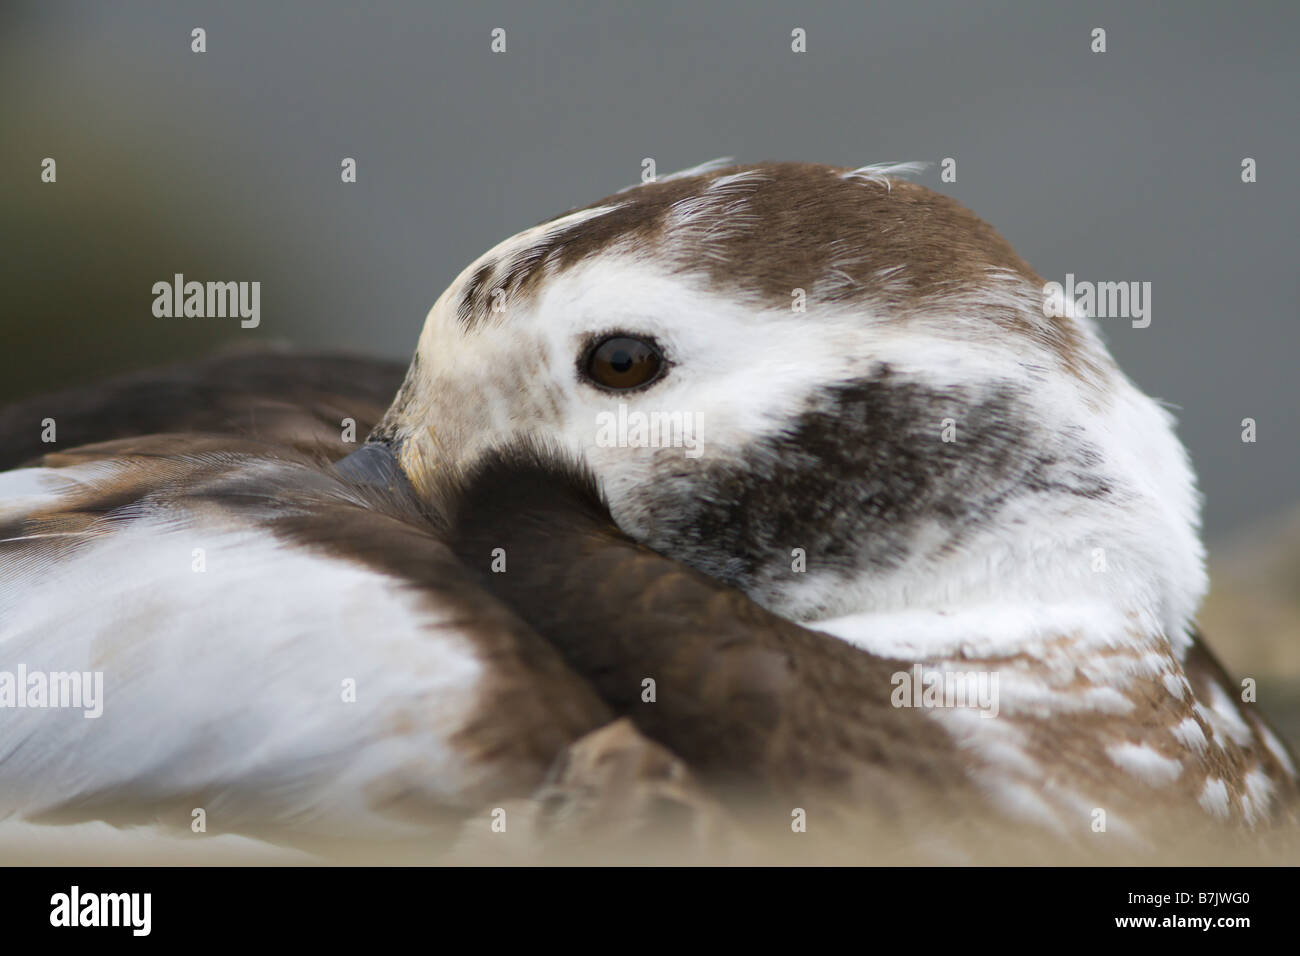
(762,493)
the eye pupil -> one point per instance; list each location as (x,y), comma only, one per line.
(622,362)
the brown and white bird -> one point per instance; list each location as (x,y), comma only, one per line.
(887,466)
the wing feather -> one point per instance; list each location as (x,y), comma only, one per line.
(274,648)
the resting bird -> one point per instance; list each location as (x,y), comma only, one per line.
(688,498)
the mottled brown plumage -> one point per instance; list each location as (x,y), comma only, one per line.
(623,666)
(752,701)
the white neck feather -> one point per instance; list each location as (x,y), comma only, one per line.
(1125,570)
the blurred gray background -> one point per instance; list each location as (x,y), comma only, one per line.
(225,165)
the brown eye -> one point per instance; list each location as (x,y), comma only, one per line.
(621,362)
